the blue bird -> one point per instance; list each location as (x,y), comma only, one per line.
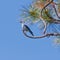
(26,28)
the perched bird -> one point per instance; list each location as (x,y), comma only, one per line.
(26,28)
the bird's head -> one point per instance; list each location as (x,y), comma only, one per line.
(22,23)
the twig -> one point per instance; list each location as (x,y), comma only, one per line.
(42,16)
(45,35)
(56,11)
(56,21)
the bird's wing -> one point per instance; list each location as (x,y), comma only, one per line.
(29,30)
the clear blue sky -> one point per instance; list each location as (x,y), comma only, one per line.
(13,44)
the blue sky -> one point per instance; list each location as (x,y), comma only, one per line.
(13,44)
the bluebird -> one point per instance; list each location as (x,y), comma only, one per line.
(26,28)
